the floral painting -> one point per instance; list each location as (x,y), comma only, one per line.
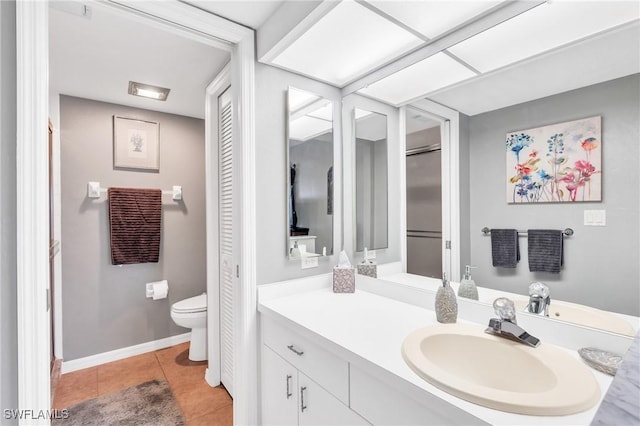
(555,164)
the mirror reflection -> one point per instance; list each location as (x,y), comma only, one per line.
(597,282)
(424,195)
(371,180)
(310,175)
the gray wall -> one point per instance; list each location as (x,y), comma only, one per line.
(313,159)
(8,289)
(600,263)
(104,306)
(271,168)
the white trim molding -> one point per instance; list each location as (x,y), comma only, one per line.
(245,375)
(117,354)
(33,207)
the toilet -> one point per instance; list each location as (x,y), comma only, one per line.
(192,313)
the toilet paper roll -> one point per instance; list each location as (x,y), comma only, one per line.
(160,289)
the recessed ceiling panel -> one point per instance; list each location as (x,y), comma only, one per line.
(347,42)
(433,18)
(543,28)
(421,78)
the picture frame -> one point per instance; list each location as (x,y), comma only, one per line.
(557,163)
(136,144)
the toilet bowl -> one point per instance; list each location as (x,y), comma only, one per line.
(192,313)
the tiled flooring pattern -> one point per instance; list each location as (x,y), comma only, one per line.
(200,403)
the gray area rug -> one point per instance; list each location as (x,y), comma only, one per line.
(150,403)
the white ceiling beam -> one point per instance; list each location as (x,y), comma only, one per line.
(489,19)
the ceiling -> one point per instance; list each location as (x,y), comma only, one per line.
(95,56)
(472,56)
(394,51)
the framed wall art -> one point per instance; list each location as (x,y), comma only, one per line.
(136,144)
(559,163)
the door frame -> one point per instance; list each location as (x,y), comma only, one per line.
(32,188)
(450,152)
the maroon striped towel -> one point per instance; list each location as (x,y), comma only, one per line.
(134,225)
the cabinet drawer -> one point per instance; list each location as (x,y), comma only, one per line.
(322,366)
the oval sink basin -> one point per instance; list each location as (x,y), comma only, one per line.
(494,372)
(583,315)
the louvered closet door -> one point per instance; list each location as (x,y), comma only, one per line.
(226,239)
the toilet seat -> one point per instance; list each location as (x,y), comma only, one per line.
(194,304)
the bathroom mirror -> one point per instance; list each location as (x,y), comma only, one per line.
(371,180)
(309,175)
(599,276)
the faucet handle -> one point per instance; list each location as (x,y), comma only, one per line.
(505,309)
(539,289)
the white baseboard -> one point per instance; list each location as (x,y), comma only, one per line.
(103,358)
(211,378)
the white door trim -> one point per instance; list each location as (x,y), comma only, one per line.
(32,170)
(32,207)
(450,187)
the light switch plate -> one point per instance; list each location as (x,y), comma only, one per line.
(595,217)
(308,262)
(149,290)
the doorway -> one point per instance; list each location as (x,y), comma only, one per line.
(32,232)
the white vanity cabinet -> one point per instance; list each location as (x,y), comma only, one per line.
(302,384)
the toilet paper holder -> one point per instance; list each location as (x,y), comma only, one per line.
(157,290)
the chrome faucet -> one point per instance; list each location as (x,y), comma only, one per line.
(506,326)
(539,299)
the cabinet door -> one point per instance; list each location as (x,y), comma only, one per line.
(279,390)
(318,407)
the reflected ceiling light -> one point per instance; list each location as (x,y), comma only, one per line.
(148,91)
(433,18)
(543,28)
(421,78)
(299,99)
(345,43)
(305,128)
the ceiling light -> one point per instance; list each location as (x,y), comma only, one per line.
(541,29)
(347,42)
(148,91)
(419,79)
(433,18)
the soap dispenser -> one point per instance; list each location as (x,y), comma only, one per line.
(446,303)
(468,287)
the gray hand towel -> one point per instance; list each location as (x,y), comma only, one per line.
(545,250)
(505,250)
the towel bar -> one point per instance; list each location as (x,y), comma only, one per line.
(94,190)
(566,232)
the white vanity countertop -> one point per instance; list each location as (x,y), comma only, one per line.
(369,329)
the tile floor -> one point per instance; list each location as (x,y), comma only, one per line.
(200,403)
